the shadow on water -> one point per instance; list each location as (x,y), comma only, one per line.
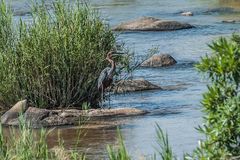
(164,112)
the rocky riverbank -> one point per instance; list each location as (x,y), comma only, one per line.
(38,118)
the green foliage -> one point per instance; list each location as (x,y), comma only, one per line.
(85,106)
(24,144)
(121,153)
(25,147)
(165,150)
(56,59)
(7,41)
(3,147)
(221,104)
(6,29)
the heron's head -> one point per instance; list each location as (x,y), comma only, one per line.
(110,53)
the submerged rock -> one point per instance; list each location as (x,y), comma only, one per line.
(134,85)
(187,14)
(13,113)
(231,21)
(38,118)
(151,24)
(159,60)
(220,10)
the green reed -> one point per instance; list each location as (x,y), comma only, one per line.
(164,149)
(55,59)
(121,153)
(24,144)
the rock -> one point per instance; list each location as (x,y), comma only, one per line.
(134,85)
(187,14)
(38,118)
(117,112)
(221,10)
(14,112)
(159,60)
(45,118)
(151,24)
(229,21)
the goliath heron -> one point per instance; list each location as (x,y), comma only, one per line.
(106,77)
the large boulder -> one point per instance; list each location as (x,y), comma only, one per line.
(151,24)
(134,85)
(13,113)
(38,118)
(159,60)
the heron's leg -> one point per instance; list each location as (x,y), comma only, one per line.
(109,100)
(102,97)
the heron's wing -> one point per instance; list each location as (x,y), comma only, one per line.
(110,72)
(103,76)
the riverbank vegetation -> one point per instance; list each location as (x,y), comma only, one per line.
(221,103)
(22,144)
(55,59)
(164,150)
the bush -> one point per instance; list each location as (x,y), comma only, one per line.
(221,103)
(56,59)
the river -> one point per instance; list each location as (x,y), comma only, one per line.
(177,110)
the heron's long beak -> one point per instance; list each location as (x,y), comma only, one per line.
(118,53)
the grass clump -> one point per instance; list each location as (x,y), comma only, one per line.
(23,144)
(121,153)
(165,150)
(55,59)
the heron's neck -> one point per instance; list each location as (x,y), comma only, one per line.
(113,66)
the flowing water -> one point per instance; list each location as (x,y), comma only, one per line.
(176,110)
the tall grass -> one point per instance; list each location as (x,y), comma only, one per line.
(56,59)
(23,144)
(121,153)
(6,28)
(164,151)
(7,42)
